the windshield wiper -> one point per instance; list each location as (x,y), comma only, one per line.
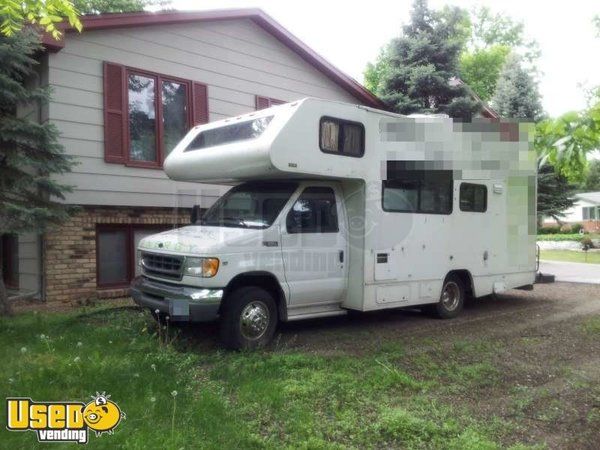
(235,220)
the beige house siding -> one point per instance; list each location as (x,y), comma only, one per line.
(236,59)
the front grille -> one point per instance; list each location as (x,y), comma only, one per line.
(164,266)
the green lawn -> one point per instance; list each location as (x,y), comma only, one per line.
(179,396)
(571,256)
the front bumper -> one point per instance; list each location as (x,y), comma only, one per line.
(180,303)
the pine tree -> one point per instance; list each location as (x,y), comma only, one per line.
(555,193)
(30,154)
(517,95)
(422,64)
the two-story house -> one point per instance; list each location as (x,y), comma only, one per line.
(125,90)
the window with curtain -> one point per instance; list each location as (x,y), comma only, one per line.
(341,137)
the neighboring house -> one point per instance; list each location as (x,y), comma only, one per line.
(125,90)
(585,211)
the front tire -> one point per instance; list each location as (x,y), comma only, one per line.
(248,319)
(452,298)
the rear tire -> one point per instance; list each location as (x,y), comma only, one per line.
(452,299)
(248,319)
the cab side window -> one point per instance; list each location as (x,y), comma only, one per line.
(315,211)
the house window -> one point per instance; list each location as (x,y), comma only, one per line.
(341,137)
(10,260)
(116,256)
(157,122)
(112,254)
(418,191)
(266,102)
(473,197)
(174,98)
(142,118)
(146,114)
(589,213)
(315,211)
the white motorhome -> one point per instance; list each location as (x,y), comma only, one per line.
(339,207)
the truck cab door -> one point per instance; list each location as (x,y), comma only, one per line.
(314,246)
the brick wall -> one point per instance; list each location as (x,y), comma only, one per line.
(70,250)
(591,226)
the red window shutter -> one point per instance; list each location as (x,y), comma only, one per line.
(115,113)
(262,102)
(199,104)
(266,102)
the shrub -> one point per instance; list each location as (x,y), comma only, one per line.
(560,237)
(576,228)
(586,243)
(554,229)
(566,228)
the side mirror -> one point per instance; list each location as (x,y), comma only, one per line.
(195,214)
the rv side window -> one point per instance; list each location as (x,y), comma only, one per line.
(418,191)
(473,197)
(315,211)
(242,131)
(342,137)
(399,195)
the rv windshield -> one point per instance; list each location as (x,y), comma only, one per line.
(254,204)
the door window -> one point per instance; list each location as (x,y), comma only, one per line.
(473,197)
(315,211)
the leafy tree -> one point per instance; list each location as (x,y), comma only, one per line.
(592,177)
(422,63)
(490,29)
(517,95)
(493,37)
(481,68)
(116,6)
(555,193)
(45,13)
(569,139)
(29,151)
(375,72)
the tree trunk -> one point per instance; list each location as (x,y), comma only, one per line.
(5,308)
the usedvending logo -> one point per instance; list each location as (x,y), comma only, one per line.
(64,421)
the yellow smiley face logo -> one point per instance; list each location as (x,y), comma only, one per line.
(102,415)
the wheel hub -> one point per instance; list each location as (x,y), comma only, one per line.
(254,320)
(450,296)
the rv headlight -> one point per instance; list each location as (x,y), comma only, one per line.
(201,267)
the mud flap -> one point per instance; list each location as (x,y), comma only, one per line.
(542,278)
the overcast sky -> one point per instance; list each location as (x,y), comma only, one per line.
(350,33)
